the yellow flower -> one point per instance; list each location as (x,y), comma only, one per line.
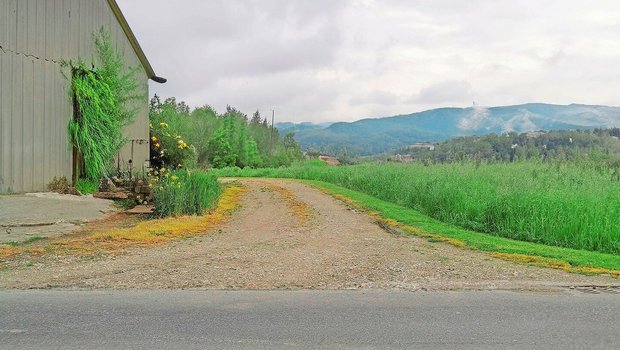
(154,138)
(156,145)
(174,177)
(163,124)
(162,169)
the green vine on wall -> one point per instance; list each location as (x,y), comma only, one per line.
(102,97)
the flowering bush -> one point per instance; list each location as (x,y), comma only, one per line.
(168,149)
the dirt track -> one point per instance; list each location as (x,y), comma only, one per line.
(289,235)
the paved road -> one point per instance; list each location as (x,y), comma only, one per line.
(306,319)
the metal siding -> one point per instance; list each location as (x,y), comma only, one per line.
(35,106)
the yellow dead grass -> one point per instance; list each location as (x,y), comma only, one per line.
(300,209)
(554,264)
(144,233)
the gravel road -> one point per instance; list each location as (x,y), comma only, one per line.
(288,235)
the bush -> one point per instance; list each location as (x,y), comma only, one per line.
(61,185)
(103,97)
(183,192)
(86,186)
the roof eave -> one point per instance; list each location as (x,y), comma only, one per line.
(150,73)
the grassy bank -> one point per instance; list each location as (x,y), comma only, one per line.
(413,222)
(564,205)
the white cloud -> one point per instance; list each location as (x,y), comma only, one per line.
(344,60)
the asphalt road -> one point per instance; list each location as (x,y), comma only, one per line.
(164,319)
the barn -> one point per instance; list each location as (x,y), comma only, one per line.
(35,104)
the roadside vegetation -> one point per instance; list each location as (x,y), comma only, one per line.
(557,204)
(204,138)
(185,192)
(395,217)
(102,99)
(185,142)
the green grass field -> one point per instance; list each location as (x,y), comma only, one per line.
(565,205)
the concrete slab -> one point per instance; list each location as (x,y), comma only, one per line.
(47,214)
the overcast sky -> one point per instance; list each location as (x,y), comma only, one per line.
(331,60)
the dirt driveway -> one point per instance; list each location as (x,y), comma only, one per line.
(288,235)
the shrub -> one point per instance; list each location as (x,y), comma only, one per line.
(86,186)
(168,149)
(183,192)
(61,185)
(102,100)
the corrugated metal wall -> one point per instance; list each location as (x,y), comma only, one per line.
(35,107)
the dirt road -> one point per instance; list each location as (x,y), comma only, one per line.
(288,235)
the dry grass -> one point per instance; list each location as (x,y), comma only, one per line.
(554,264)
(300,209)
(145,233)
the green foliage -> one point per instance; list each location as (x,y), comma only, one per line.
(225,140)
(125,204)
(219,149)
(471,239)
(102,98)
(560,204)
(184,192)
(584,145)
(168,149)
(86,186)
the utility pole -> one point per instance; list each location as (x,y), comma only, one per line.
(273,113)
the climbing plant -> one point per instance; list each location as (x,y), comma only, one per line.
(102,98)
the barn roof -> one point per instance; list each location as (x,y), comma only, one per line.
(134,42)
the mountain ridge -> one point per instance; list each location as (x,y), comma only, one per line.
(376,135)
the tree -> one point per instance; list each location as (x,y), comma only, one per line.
(254,159)
(220,150)
(256,119)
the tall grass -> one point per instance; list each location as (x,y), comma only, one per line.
(185,192)
(102,100)
(566,205)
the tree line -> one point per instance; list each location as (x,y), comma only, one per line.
(212,139)
(596,145)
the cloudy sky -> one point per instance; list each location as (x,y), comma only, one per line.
(343,60)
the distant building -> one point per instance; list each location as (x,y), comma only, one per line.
(402,158)
(534,134)
(329,160)
(423,145)
(35,107)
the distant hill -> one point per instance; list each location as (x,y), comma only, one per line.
(286,127)
(372,136)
